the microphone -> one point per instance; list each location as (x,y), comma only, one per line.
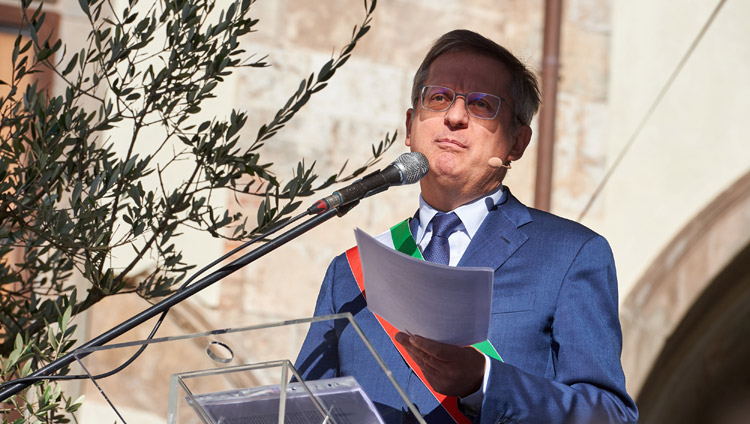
(498,163)
(406,169)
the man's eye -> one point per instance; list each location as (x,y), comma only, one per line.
(440,98)
(481,104)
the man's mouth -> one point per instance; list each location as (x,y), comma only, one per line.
(450,141)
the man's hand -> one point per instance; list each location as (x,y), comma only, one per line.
(450,370)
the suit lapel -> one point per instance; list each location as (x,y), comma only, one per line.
(499,236)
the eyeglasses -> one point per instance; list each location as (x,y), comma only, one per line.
(478,105)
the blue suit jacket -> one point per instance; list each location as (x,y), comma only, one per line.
(554,322)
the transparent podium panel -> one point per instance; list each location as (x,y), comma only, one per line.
(232,375)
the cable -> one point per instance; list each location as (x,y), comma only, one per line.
(651,110)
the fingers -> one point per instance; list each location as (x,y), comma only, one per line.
(437,350)
(451,370)
(402,338)
(423,357)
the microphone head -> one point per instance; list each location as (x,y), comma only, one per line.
(412,167)
(495,162)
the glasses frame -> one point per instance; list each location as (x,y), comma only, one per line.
(423,90)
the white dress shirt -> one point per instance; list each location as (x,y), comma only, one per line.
(471,216)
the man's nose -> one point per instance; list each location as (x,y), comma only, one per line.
(457,115)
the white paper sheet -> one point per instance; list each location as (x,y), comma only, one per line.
(447,304)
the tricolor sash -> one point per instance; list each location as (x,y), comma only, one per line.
(405,243)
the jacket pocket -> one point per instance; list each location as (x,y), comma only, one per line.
(513,303)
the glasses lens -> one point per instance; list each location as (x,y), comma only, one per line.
(483,105)
(480,105)
(437,99)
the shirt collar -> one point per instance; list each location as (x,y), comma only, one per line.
(471,214)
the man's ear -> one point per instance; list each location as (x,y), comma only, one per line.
(409,116)
(520,142)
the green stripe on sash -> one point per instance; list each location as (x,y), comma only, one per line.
(404,242)
(487,348)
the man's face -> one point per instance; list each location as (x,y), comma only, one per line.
(457,144)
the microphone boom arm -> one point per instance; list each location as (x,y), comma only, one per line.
(178,297)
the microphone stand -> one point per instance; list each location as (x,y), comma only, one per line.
(179,296)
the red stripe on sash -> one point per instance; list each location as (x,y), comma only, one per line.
(449,403)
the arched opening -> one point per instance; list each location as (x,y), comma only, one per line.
(686,322)
(703,373)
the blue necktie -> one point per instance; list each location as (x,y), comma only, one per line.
(438,250)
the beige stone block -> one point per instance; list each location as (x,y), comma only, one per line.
(403,30)
(584,63)
(320,24)
(580,149)
(270,23)
(592,15)
(364,90)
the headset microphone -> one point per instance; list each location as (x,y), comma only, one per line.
(498,163)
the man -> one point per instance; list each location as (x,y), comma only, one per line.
(554,312)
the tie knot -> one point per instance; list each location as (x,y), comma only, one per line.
(443,224)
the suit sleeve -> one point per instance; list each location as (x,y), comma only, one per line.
(318,357)
(585,382)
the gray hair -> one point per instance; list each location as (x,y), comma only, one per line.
(523,89)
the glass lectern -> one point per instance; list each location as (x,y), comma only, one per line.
(232,375)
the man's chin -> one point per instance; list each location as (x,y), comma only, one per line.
(448,165)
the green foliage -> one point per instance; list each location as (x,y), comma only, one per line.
(73,192)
